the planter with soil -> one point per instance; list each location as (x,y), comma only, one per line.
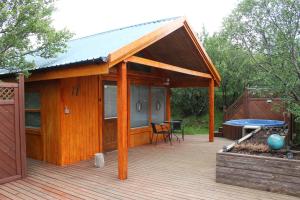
(250,163)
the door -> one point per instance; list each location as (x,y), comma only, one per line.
(110,116)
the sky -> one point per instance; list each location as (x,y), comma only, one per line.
(86,17)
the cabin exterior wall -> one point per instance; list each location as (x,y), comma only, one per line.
(72,119)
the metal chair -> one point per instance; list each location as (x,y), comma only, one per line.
(178,127)
(164,131)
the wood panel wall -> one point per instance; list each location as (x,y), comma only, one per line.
(50,119)
(44,143)
(79,118)
(109,134)
(71,116)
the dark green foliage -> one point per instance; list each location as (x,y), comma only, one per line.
(25,29)
(191,101)
(269,31)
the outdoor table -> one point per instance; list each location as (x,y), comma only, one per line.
(171,122)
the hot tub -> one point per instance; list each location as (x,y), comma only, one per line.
(233,129)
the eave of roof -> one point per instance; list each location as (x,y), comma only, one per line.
(104,48)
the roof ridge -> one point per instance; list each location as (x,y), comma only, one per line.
(126,27)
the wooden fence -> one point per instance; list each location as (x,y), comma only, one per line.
(12,131)
(248,106)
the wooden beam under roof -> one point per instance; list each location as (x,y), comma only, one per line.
(160,65)
(68,72)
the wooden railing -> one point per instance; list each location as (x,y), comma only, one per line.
(234,108)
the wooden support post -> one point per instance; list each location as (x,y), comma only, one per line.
(22,124)
(168,103)
(122,122)
(211,110)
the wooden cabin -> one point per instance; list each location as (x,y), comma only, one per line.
(103,92)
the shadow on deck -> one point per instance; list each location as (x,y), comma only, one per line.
(181,171)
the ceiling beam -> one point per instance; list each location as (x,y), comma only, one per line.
(160,65)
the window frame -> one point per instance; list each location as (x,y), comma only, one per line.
(31,129)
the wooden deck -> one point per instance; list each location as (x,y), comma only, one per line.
(181,171)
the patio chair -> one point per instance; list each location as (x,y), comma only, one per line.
(178,127)
(164,131)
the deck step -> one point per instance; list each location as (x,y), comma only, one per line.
(218,134)
(220,129)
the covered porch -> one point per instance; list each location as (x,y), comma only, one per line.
(131,75)
(181,171)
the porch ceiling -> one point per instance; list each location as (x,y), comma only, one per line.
(176,49)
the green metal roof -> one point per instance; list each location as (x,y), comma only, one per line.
(97,47)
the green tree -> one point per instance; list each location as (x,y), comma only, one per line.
(233,64)
(268,30)
(25,30)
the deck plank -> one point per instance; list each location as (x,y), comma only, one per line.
(181,171)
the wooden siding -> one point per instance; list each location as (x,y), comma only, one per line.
(79,127)
(44,143)
(181,171)
(50,110)
(232,132)
(109,134)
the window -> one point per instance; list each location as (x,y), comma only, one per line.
(110,101)
(158,104)
(32,110)
(139,106)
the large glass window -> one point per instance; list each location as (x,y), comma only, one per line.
(158,104)
(32,110)
(139,106)
(110,101)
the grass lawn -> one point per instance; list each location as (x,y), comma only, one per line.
(199,124)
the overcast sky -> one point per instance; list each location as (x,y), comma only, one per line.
(86,17)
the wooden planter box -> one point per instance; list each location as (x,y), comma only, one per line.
(259,172)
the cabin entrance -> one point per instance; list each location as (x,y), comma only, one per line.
(110,116)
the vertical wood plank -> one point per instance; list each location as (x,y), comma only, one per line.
(22,125)
(122,122)
(101,112)
(168,105)
(211,110)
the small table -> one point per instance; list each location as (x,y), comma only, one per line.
(171,122)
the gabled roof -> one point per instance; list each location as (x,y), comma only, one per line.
(112,47)
(97,47)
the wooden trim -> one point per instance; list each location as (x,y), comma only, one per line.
(33,131)
(101,111)
(143,42)
(139,130)
(203,53)
(32,110)
(22,125)
(18,152)
(189,84)
(168,104)
(211,110)
(160,65)
(7,102)
(68,72)
(122,122)
(9,179)
(9,85)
